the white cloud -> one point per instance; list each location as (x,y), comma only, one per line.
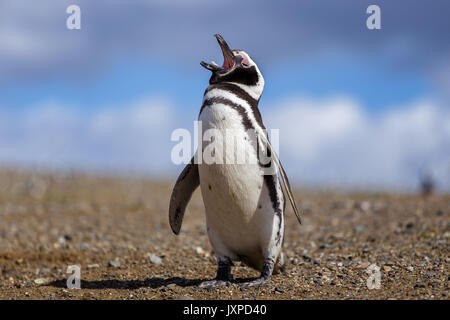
(135,137)
(334,142)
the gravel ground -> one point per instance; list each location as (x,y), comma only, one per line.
(117,230)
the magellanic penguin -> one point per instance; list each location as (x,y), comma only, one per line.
(244,204)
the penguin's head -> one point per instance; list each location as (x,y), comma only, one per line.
(237,67)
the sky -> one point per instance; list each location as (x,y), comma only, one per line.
(356,108)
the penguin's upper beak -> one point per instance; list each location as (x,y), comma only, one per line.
(228,57)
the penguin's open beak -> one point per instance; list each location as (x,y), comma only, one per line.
(228,57)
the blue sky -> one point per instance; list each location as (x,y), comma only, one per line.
(374,84)
(139,60)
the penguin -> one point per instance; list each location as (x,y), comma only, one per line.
(244,201)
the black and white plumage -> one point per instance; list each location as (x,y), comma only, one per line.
(244,205)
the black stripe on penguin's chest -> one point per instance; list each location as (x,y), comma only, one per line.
(246,122)
(240,93)
(245,119)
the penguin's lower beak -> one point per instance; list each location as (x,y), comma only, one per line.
(228,57)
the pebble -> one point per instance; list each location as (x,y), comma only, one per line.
(365,206)
(199,250)
(184,298)
(387,268)
(68,237)
(155,259)
(95,266)
(364,264)
(360,228)
(114,263)
(40,281)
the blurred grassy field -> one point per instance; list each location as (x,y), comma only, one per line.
(115,228)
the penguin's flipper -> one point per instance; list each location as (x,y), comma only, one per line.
(185,186)
(287,187)
(285,180)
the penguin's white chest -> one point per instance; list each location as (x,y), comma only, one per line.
(237,204)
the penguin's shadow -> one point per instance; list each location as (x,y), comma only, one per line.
(129,284)
(153,283)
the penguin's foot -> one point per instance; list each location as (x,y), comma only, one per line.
(280,265)
(255,283)
(211,284)
(264,278)
(224,276)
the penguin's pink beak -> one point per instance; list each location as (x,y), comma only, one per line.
(228,57)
